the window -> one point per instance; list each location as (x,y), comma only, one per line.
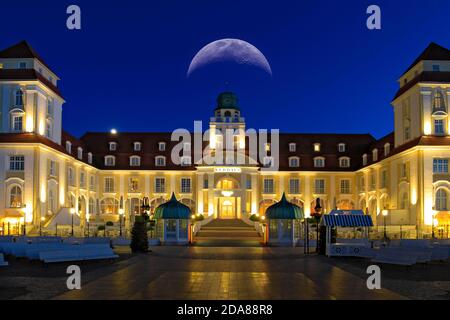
(91,206)
(404,202)
(80,153)
(268,186)
(387,149)
(364,159)
(319,162)
(82,179)
(439,128)
(362,184)
(160,161)
(49,128)
(317,147)
(185,185)
(18,98)
(91,183)
(110,161)
(1,65)
(15,197)
(440,165)
(135,161)
(161,146)
(69,147)
(441,200)
(22,65)
(90,158)
(109,184)
(436,68)
(292,147)
(294,162)
(267,161)
(137,146)
(319,186)
(438,102)
(17,122)
(248,184)
(345,186)
(383,182)
(375,155)
(205,183)
(186,161)
(49,106)
(134,184)
(344,162)
(160,185)
(112,146)
(403,171)
(373,181)
(187,147)
(341,147)
(70,176)
(52,168)
(16,163)
(294,186)
(407,133)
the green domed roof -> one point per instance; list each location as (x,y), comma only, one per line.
(284,210)
(227,100)
(172,209)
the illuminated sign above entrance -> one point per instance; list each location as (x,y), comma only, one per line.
(228,170)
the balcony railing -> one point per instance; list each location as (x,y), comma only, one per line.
(228,119)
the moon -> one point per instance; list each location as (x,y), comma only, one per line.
(234,50)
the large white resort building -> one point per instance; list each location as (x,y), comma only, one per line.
(46,173)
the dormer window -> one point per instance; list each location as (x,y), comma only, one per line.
(292,147)
(90,158)
(294,162)
(364,159)
(375,155)
(69,147)
(22,65)
(110,161)
(341,147)
(160,161)
(344,162)
(186,161)
(135,161)
(112,146)
(80,153)
(436,68)
(387,149)
(161,146)
(319,162)
(317,147)
(137,146)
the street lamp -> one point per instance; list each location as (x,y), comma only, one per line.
(72,213)
(317,210)
(121,212)
(385,213)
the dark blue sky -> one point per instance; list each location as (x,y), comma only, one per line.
(127,67)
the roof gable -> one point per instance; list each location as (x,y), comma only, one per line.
(432,52)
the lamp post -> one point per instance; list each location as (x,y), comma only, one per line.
(40,225)
(317,211)
(22,224)
(24,219)
(72,213)
(385,213)
(121,212)
(88,217)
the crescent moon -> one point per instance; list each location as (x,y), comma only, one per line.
(233,50)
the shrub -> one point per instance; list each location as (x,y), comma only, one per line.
(109,223)
(139,237)
(254,218)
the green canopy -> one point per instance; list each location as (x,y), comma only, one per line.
(173,209)
(284,210)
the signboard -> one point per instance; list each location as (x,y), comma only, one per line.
(228,170)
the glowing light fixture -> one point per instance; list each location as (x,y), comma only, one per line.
(113,131)
(227,193)
(384,212)
(72,210)
(121,211)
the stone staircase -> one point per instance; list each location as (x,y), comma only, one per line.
(227,233)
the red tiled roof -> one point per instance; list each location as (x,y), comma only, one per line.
(28,74)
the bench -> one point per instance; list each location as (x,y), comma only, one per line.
(394,257)
(32,253)
(3,263)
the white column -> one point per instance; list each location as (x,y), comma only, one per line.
(307,204)
(244,194)
(200,178)
(211,194)
(254,193)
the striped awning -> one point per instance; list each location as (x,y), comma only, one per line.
(331,220)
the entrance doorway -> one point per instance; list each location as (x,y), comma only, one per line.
(228,208)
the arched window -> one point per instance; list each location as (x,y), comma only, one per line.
(404,201)
(294,162)
(109,206)
(91,206)
(344,162)
(51,201)
(438,102)
(18,98)
(135,161)
(110,161)
(160,161)
(441,200)
(227,114)
(17,116)
(15,197)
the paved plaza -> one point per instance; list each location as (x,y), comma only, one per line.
(228,273)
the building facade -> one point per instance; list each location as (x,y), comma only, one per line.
(46,174)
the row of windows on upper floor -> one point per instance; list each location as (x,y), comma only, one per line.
(319,162)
